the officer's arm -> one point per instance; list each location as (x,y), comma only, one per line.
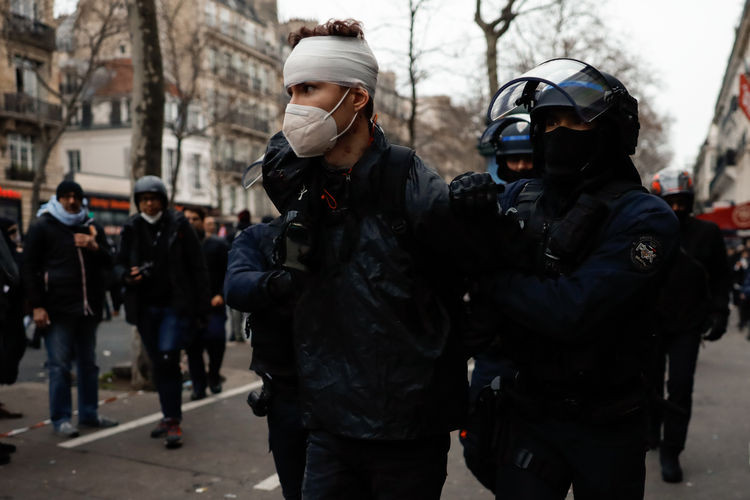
(436,228)
(626,264)
(245,285)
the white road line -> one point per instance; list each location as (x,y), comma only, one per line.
(154,417)
(268,484)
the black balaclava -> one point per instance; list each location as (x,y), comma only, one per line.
(5,225)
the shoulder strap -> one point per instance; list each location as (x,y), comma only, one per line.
(394,171)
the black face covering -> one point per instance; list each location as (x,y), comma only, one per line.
(568,152)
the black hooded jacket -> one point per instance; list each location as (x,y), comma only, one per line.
(377,354)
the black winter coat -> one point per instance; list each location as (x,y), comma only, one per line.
(179,256)
(65,280)
(215,251)
(377,354)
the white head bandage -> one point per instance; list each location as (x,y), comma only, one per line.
(346,61)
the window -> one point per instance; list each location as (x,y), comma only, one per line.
(86,114)
(74,160)
(210,13)
(26,8)
(21,151)
(26,81)
(114,116)
(196,166)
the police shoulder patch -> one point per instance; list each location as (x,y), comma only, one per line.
(645,253)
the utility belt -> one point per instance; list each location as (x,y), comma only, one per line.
(624,401)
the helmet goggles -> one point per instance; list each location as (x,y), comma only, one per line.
(557,82)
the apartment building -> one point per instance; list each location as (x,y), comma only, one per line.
(29,114)
(722,168)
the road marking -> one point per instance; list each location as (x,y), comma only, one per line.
(268,484)
(155,417)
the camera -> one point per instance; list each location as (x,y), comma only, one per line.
(145,269)
(258,401)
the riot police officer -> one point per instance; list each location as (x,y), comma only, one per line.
(694,303)
(576,303)
(508,141)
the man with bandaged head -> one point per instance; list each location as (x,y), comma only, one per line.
(366,233)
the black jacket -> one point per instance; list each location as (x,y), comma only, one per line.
(63,279)
(179,269)
(215,251)
(377,354)
(703,242)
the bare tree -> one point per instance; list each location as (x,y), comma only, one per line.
(494,30)
(148,89)
(577,30)
(184,65)
(413,72)
(95,24)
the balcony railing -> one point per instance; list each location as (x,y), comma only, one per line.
(248,120)
(234,166)
(34,109)
(17,173)
(29,31)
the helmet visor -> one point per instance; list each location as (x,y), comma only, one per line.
(572,83)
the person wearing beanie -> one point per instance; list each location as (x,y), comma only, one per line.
(66,261)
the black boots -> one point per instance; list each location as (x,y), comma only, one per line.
(671,472)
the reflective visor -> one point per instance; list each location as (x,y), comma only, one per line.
(562,81)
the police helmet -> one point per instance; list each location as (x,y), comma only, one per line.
(575,84)
(508,136)
(150,184)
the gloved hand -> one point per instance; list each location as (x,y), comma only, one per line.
(280,285)
(474,194)
(718,326)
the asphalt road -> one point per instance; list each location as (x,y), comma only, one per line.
(225,454)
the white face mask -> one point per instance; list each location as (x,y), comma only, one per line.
(311,131)
(152,219)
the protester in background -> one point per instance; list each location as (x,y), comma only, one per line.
(211,337)
(739,274)
(161,262)
(66,261)
(209,225)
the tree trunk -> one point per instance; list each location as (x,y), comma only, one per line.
(148,118)
(412,123)
(148,89)
(491,38)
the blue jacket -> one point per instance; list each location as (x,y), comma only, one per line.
(587,328)
(251,262)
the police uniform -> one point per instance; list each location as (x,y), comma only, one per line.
(577,303)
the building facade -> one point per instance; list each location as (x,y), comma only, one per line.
(722,168)
(29,112)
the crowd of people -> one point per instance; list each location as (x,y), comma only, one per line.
(570,284)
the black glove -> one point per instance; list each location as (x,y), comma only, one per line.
(280,285)
(718,327)
(474,194)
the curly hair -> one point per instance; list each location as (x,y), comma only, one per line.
(334,27)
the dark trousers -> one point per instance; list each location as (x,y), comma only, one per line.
(215,349)
(162,331)
(682,352)
(544,458)
(287,438)
(342,468)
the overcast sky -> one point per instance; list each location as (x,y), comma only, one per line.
(687,43)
